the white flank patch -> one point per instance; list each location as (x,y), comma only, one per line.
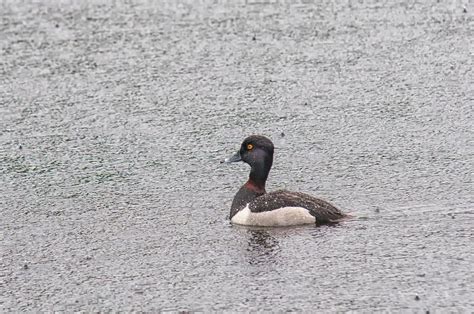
(285,216)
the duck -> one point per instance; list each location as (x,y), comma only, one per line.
(253,206)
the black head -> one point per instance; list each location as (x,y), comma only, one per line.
(257,151)
(254,149)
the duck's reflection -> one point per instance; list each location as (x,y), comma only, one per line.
(264,245)
(262,248)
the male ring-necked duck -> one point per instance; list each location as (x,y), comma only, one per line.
(253,206)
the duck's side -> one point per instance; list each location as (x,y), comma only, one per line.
(285,208)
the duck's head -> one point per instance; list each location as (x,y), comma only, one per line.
(257,151)
(254,149)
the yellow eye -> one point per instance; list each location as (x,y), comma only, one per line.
(249,146)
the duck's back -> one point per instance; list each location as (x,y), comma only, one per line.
(284,208)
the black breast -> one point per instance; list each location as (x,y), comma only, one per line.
(242,198)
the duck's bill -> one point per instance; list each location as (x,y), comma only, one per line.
(234,158)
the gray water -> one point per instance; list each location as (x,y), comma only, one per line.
(114,117)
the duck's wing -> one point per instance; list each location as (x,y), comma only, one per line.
(323,211)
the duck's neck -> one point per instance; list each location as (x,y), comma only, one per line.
(253,188)
(259,172)
(258,176)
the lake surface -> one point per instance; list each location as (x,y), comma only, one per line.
(114,117)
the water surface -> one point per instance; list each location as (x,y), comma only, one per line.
(114,117)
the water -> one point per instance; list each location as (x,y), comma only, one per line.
(114,117)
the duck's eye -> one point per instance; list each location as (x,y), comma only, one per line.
(249,146)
